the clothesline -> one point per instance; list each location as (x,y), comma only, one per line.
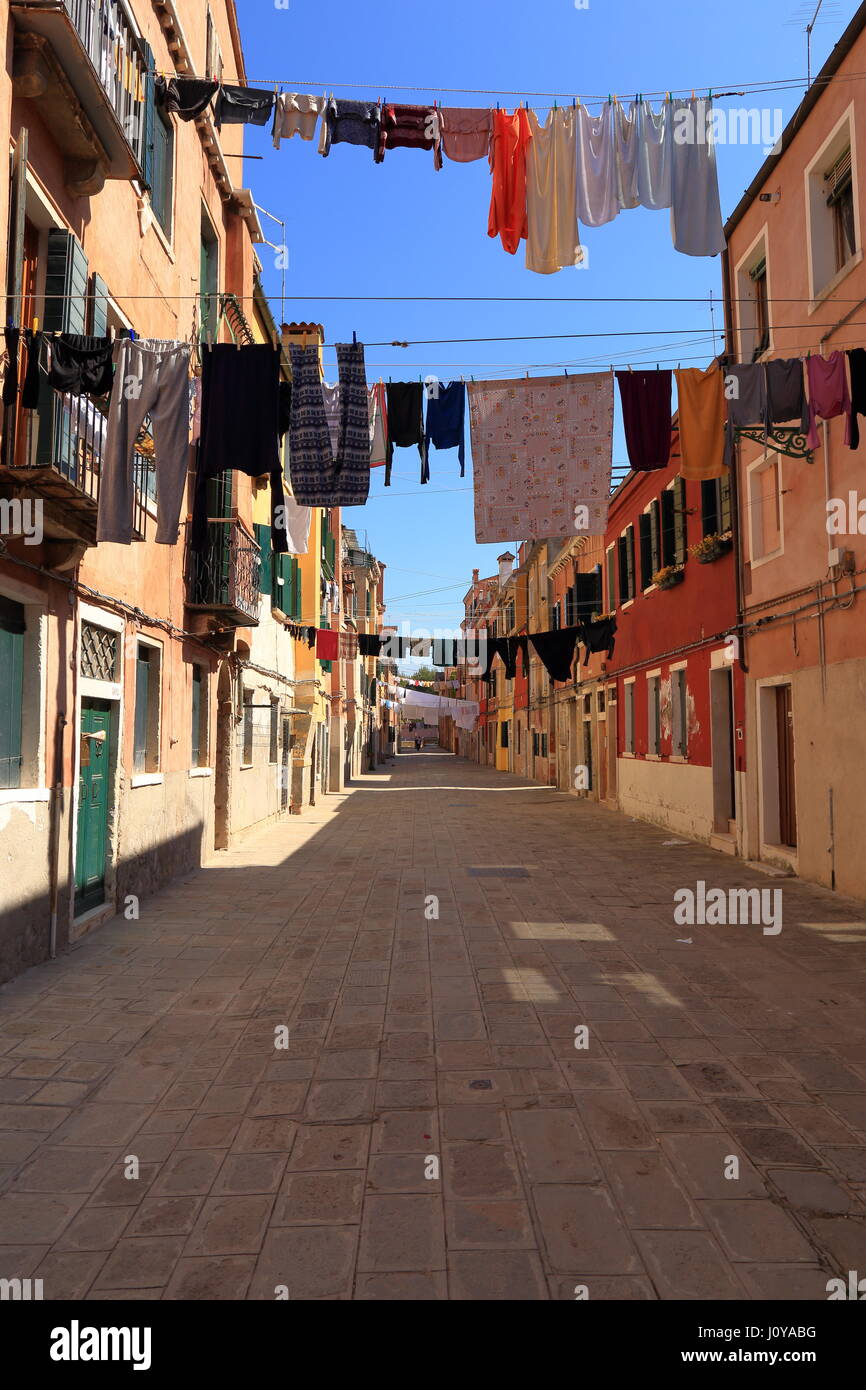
(716,90)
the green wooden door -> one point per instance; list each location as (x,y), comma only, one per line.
(94,783)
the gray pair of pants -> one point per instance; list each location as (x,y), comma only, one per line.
(150,378)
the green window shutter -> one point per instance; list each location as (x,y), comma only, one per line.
(65,284)
(150,115)
(142,684)
(669,542)
(611,579)
(646,559)
(680,522)
(196,716)
(297,608)
(726,515)
(629,553)
(655,538)
(99,309)
(12,629)
(263,538)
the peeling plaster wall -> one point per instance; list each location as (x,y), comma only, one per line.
(676,795)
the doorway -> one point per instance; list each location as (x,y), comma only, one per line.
(94,804)
(722,721)
(286,742)
(785,754)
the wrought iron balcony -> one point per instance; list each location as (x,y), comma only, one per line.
(84,62)
(225,577)
(55,453)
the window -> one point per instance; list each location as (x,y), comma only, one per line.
(833,212)
(753,308)
(629,717)
(208,278)
(587,595)
(625,548)
(505,732)
(98,653)
(213,54)
(840,201)
(679,714)
(646,555)
(535,743)
(162,170)
(654,714)
(544,745)
(248,728)
(199,717)
(518,740)
(12,630)
(761,309)
(715,506)
(147,699)
(765,510)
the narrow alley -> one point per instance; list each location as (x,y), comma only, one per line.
(434,1123)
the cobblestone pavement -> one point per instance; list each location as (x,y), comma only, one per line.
(446,1044)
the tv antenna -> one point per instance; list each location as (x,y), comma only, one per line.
(812,15)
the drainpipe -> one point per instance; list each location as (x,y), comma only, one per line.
(57,792)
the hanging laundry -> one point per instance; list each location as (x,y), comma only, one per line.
(333,411)
(186,97)
(541,448)
(378,415)
(746,396)
(195,409)
(32,344)
(312,634)
(321,477)
(327,645)
(466,133)
(552,234)
(446,422)
(654,156)
(599,636)
(597,197)
(285,409)
(626,151)
(556,651)
(507,217)
(80,366)
(696,211)
(243,106)
(828,392)
(411,128)
(857,375)
(646,410)
(240,429)
(786,392)
(702,413)
(405,401)
(151,378)
(298,520)
(348,646)
(349,123)
(369,644)
(508,649)
(296,114)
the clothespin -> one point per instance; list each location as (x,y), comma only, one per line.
(132,335)
(608,98)
(630,367)
(35,325)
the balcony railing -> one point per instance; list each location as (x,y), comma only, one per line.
(96,39)
(58,449)
(225,577)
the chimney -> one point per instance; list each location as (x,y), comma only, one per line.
(506,568)
(475,576)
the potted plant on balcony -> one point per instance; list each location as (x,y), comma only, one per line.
(712,546)
(669,576)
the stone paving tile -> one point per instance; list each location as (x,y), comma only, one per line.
(431,1131)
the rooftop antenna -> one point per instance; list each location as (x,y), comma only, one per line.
(814,14)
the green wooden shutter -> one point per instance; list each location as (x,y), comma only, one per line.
(142,685)
(680,521)
(655,538)
(263,538)
(66,287)
(669,538)
(196,716)
(646,561)
(299,594)
(629,554)
(12,629)
(149,114)
(99,310)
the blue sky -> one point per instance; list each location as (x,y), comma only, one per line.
(401,229)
